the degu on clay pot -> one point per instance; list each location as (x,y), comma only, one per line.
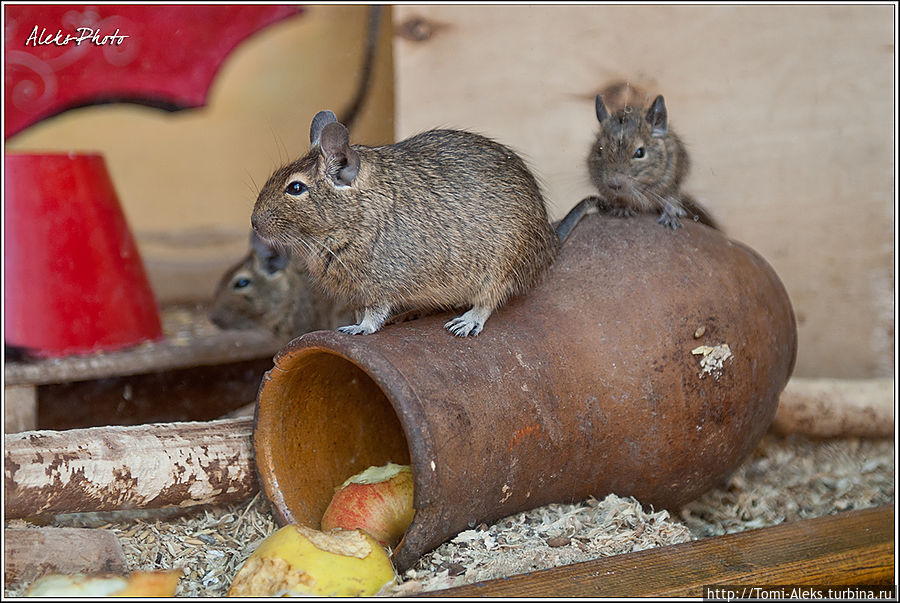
(646,363)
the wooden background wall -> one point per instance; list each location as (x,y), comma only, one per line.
(788,113)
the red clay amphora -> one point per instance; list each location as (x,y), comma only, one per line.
(648,363)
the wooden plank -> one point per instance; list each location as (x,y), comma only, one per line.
(829,408)
(168,354)
(145,466)
(189,340)
(199,393)
(31,552)
(855,547)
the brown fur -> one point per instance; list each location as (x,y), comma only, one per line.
(443,219)
(638,165)
(269,291)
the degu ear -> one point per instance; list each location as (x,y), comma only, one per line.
(341,161)
(658,117)
(322,119)
(600,109)
(268,257)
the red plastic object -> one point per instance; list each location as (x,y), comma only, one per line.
(63,56)
(74,280)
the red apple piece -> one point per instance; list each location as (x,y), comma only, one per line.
(378,501)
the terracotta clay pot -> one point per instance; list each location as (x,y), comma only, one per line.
(594,382)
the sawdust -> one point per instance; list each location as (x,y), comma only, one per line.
(208,544)
(542,538)
(785,479)
(792,478)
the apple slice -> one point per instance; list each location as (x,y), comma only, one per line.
(296,560)
(378,501)
(160,583)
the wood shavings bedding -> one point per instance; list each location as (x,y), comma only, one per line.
(793,478)
(785,479)
(542,538)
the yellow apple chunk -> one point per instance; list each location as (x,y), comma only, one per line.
(296,560)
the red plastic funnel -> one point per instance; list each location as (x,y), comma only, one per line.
(74,281)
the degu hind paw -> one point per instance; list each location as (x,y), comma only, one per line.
(373,319)
(462,326)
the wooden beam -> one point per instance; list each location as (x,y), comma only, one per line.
(142,466)
(168,354)
(197,393)
(189,340)
(855,547)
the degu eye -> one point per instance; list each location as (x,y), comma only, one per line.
(639,153)
(295,188)
(241,283)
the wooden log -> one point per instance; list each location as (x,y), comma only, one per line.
(855,547)
(184,464)
(829,408)
(32,552)
(143,466)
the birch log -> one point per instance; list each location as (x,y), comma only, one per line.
(184,464)
(113,468)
